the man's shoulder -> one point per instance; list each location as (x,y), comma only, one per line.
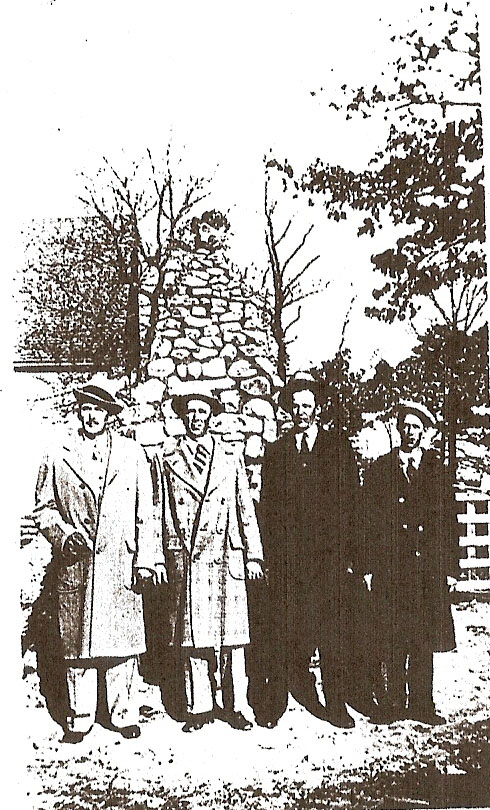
(383,463)
(433,460)
(281,446)
(329,439)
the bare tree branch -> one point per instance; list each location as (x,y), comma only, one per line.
(346,321)
(439,308)
(290,284)
(306,295)
(298,248)
(291,323)
(284,232)
(480,306)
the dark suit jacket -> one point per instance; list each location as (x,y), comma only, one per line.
(307,516)
(410,545)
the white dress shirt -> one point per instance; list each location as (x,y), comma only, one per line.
(310,435)
(414,457)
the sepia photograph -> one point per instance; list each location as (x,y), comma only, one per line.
(247,408)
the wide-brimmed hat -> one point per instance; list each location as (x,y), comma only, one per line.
(97,396)
(179,403)
(298,384)
(417,409)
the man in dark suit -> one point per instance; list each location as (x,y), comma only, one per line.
(306,514)
(410,548)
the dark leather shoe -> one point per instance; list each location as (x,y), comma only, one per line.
(73,737)
(266,722)
(428,717)
(196,722)
(237,720)
(339,716)
(130,732)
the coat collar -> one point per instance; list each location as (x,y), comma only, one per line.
(179,462)
(74,457)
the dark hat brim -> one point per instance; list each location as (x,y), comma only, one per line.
(111,406)
(179,403)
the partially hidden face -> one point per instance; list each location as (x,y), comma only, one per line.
(411,431)
(304,409)
(196,417)
(93,418)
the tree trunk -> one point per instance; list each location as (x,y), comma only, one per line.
(133,344)
(451,402)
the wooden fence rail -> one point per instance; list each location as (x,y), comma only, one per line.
(474,541)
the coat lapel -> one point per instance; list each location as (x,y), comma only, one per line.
(179,462)
(115,461)
(219,468)
(74,458)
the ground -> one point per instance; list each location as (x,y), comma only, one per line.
(303,763)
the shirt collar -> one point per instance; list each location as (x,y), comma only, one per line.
(206,441)
(415,454)
(310,434)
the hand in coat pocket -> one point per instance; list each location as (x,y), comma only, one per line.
(75,548)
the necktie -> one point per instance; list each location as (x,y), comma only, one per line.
(410,468)
(200,458)
(303,446)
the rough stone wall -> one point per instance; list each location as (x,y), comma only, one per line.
(211,338)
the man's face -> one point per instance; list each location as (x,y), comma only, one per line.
(304,409)
(197,418)
(93,418)
(411,431)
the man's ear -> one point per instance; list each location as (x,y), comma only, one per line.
(318,410)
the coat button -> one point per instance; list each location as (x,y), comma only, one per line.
(86,521)
(404,526)
(421,528)
(401,500)
(82,486)
(181,500)
(417,553)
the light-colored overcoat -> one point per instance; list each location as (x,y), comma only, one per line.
(99,613)
(210,532)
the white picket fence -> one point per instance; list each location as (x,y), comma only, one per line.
(474,541)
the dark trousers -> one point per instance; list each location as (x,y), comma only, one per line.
(405,676)
(266,655)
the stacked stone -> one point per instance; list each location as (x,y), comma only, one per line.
(211,338)
(211,335)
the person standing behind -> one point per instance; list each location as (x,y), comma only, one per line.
(94,505)
(307,514)
(411,549)
(212,543)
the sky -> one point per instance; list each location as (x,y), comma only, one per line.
(223,83)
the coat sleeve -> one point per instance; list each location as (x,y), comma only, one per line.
(349,487)
(47,515)
(372,548)
(149,553)
(449,542)
(248,519)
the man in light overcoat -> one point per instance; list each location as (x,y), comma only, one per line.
(94,504)
(212,543)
